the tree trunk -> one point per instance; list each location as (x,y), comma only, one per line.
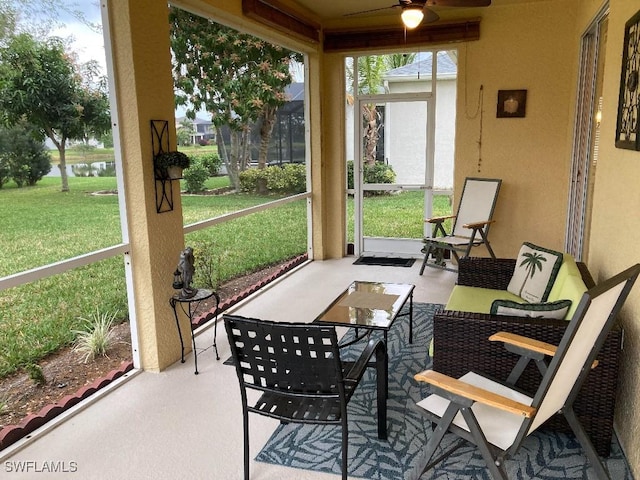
(236,157)
(371,133)
(266,129)
(223,152)
(61,146)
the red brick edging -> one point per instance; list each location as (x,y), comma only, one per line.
(12,433)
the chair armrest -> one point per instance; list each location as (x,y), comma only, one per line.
(478,225)
(439,219)
(528,344)
(462,389)
(486,272)
(524,342)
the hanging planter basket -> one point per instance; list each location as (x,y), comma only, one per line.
(169,165)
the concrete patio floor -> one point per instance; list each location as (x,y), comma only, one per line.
(176,425)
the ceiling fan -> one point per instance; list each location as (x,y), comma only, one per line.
(415,11)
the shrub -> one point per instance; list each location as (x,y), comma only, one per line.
(196,176)
(289,179)
(109,170)
(24,159)
(377,173)
(211,264)
(212,162)
(98,337)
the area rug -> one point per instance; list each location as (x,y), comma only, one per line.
(544,455)
(385,261)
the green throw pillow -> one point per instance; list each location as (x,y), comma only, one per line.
(536,270)
(557,309)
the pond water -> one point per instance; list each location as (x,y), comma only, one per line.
(82,169)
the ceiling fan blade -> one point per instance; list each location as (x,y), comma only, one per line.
(458,3)
(430,16)
(370,11)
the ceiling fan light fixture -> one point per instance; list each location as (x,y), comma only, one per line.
(412,16)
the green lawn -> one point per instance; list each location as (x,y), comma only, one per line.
(41,225)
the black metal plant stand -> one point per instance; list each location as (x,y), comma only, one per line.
(164,185)
(189,306)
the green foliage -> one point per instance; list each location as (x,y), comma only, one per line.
(97,337)
(211,263)
(22,157)
(289,179)
(376,173)
(107,139)
(35,373)
(196,176)
(247,74)
(39,81)
(212,162)
(109,170)
(172,159)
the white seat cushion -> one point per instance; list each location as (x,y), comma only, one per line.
(499,427)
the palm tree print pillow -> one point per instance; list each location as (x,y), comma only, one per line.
(536,270)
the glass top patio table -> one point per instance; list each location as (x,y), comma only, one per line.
(369,305)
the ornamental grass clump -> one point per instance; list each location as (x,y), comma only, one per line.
(97,338)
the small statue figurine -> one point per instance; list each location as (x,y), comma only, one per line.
(186,270)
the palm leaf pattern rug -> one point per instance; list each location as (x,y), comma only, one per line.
(544,455)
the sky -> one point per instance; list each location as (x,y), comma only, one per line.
(87,43)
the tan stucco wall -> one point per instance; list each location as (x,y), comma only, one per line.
(615,219)
(528,46)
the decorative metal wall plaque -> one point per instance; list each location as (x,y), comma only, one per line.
(628,127)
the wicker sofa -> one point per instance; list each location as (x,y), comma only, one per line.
(455,332)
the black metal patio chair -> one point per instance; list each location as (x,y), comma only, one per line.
(298,370)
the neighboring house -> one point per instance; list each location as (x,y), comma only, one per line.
(203,130)
(402,120)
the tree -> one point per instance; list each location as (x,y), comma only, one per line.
(371,69)
(40,82)
(237,78)
(185,132)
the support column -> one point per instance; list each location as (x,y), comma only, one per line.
(140,46)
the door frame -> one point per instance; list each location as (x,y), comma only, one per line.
(391,245)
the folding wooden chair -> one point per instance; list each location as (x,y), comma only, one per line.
(470,227)
(496,417)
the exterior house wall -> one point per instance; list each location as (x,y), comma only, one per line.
(406,125)
(616,203)
(411,120)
